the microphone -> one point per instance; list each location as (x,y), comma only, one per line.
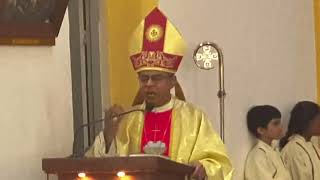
(76,134)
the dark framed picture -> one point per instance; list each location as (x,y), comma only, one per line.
(31,22)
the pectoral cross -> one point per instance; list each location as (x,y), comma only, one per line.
(155,130)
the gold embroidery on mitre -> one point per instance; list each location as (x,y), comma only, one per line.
(154,59)
(154,33)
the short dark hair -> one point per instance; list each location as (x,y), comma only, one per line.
(260,116)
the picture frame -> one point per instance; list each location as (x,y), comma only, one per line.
(31,22)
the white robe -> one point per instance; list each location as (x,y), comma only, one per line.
(316,141)
(301,158)
(265,163)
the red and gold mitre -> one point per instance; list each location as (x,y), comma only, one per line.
(156,44)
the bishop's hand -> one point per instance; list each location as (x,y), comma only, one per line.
(199,171)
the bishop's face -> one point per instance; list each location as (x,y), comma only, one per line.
(156,86)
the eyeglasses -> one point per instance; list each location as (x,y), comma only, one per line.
(156,78)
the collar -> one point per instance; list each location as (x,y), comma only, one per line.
(265,146)
(297,137)
(163,108)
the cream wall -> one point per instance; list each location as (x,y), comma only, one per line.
(104,54)
(269,59)
(35,107)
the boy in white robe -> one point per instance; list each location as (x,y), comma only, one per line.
(263,161)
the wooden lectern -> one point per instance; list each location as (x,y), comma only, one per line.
(135,168)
